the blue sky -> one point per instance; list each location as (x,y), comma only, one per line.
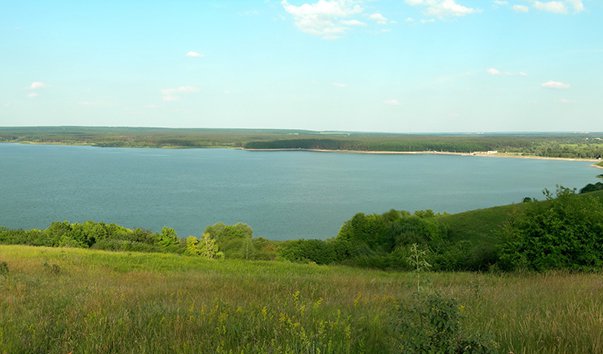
(372,65)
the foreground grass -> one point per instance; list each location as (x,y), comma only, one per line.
(73,300)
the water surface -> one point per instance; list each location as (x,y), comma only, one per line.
(281,194)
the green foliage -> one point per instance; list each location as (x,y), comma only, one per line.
(565,232)
(205,247)
(96,235)
(168,238)
(432,324)
(235,241)
(386,232)
(592,187)
(208,247)
(192,246)
(265,250)
(380,240)
(316,251)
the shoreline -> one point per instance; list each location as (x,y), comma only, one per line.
(367,152)
(449,153)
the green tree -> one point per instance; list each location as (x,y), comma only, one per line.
(192,248)
(234,240)
(168,237)
(565,232)
(208,247)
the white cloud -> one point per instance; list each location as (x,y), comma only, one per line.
(194,54)
(555,85)
(173,94)
(339,84)
(353,23)
(392,102)
(496,72)
(37,85)
(556,7)
(566,101)
(493,72)
(520,8)
(443,8)
(577,5)
(328,19)
(379,18)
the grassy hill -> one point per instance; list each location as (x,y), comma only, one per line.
(482,225)
(55,300)
(479,225)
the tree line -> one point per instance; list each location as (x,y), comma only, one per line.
(570,145)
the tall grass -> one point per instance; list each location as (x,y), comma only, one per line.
(75,300)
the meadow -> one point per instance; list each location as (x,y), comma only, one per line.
(62,300)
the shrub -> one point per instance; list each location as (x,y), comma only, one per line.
(565,232)
(317,251)
(432,324)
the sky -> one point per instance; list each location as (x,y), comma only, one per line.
(353,65)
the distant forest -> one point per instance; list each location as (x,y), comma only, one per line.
(565,145)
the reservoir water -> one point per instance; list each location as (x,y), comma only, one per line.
(280,194)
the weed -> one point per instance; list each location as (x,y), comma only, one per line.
(53,269)
(418,261)
(3,268)
(432,324)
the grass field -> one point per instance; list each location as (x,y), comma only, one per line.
(55,300)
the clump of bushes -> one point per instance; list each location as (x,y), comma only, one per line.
(218,241)
(565,232)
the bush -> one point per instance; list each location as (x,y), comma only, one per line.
(565,232)
(317,251)
(592,187)
(432,324)
(235,241)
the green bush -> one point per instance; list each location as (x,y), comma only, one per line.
(317,251)
(565,232)
(432,324)
(592,187)
(235,241)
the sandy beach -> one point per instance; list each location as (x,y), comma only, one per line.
(477,153)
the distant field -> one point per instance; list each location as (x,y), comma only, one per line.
(73,300)
(565,145)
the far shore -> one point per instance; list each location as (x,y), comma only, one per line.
(476,153)
(370,152)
